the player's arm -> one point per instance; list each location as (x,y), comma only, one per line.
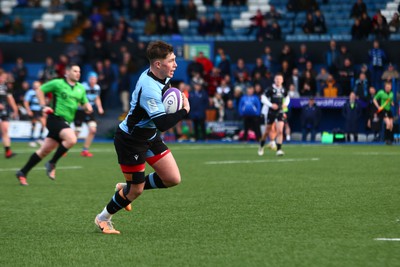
(375,100)
(11,102)
(99,105)
(88,108)
(42,102)
(167,121)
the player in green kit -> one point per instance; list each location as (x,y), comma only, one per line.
(383,101)
(67,94)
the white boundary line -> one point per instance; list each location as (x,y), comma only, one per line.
(257,161)
(42,168)
(386,239)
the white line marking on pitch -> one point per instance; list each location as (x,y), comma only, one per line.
(257,161)
(42,168)
(387,239)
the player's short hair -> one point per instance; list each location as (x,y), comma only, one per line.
(71,65)
(158,50)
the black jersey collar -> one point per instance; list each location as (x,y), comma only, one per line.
(155,78)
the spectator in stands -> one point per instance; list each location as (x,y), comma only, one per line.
(240,69)
(380,28)
(357,31)
(75,52)
(158,8)
(204,26)
(272,14)
(106,78)
(99,32)
(310,68)
(55,6)
(198,99)
(172,25)
(6,26)
(308,84)
(293,93)
(351,112)
(117,5)
(361,87)
(366,24)
(331,58)
(321,79)
(241,82)
(124,88)
(97,50)
(276,31)
(87,30)
(394,23)
(319,22)
(344,54)
(302,58)
(95,17)
(250,111)
(48,71)
(377,60)
(293,6)
(178,10)
(119,32)
(310,119)
(345,77)
(264,31)
(256,22)
(223,62)
(390,73)
(267,57)
(230,112)
(309,26)
(61,65)
(293,82)
(205,62)
(109,21)
(136,10)
(364,69)
(330,90)
(213,80)
(39,34)
(191,11)
(285,70)
(225,90)
(217,104)
(162,27)
(217,24)
(358,8)
(194,68)
(18,27)
(287,55)
(19,72)
(150,27)
(259,67)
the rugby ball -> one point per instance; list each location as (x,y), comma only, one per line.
(172,100)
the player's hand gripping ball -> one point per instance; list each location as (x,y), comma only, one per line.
(172,100)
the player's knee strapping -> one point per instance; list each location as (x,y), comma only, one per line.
(153,181)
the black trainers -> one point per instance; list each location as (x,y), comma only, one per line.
(50,170)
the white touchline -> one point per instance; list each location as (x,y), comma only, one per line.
(387,239)
(42,168)
(257,161)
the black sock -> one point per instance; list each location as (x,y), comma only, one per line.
(153,181)
(33,160)
(279,146)
(386,135)
(262,143)
(7,148)
(117,202)
(61,150)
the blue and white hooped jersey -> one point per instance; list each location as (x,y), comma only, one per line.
(31,98)
(146,103)
(92,92)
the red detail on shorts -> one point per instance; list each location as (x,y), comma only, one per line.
(132,168)
(156,158)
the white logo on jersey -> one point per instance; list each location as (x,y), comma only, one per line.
(152,105)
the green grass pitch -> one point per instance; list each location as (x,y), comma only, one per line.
(319,205)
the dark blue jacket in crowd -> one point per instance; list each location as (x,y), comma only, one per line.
(249,105)
(198,101)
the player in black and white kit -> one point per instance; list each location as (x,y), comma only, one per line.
(277,99)
(6,100)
